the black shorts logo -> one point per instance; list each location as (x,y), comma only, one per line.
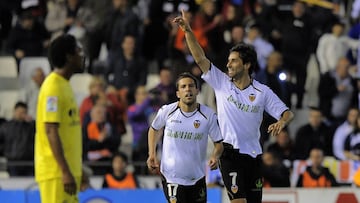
(259,183)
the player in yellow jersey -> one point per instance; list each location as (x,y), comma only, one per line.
(58,140)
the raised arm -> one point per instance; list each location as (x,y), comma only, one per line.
(194,46)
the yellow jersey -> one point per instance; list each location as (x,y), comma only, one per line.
(57,104)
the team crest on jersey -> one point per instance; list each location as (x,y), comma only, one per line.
(196,123)
(234,189)
(51,104)
(252,97)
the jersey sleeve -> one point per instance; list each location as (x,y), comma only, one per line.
(160,118)
(52,105)
(214,130)
(215,77)
(273,104)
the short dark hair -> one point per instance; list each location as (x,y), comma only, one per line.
(247,54)
(59,48)
(20,105)
(122,155)
(186,75)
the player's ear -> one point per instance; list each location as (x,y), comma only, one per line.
(247,65)
(177,94)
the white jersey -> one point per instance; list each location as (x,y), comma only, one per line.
(185,141)
(240,112)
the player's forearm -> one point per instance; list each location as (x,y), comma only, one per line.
(152,142)
(287,117)
(196,51)
(56,146)
(218,150)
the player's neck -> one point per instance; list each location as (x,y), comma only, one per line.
(242,82)
(64,72)
(188,108)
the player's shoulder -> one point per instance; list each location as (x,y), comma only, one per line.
(206,110)
(52,85)
(259,86)
(168,108)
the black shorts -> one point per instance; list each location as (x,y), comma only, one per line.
(185,193)
(241,174)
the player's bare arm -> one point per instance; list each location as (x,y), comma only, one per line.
(275,128)
(152,161)
(194,46)
(214,159)
(52,131)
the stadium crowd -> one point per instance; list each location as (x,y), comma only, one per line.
(125,41)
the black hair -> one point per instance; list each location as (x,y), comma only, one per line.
(247,54)
(186,75)
(122,155)
(315,108)
(60,48)
(20,105)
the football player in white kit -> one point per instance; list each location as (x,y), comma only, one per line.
(241,102)
(187,125)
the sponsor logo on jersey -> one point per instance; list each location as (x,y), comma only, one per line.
(175,121)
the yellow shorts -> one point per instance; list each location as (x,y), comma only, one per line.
(52,191)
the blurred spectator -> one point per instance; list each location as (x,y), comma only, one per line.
(158,25)
(139,115)
(237,36)
(18,138)
(29,94)
(115,107)
(120,178)
(28,38)
(121,21)
(6,17)
(208,21)
(127,69)
(343,131)
(94,37)
(165,91)
(354,33)
(270,76)
(101,139)
(263,48)
(333,46)
(274,76)
(274,171)
(232,16)
(283,148)
(267,18)
(295,40)
(337,92)
(70,16)
(313,134)
(352,143)
(316,175)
